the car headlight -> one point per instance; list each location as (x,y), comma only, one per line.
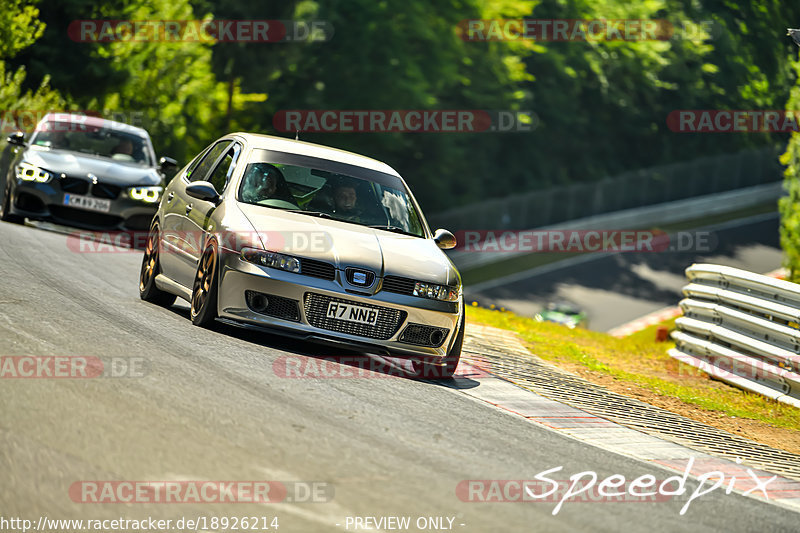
(28,172)
(436,292)
(271,259)
(149,195)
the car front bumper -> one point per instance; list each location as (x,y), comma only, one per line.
(45,201)
(403,320)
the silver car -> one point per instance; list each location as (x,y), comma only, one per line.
(307,241)
(82,171)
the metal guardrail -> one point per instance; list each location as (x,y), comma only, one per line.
(741,328)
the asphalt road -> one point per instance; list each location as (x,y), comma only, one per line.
(616,288)
(208,406)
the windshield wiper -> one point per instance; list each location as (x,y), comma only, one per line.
(393,229)
(310,213)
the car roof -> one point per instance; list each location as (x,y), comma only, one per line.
(96,122)
(282,144)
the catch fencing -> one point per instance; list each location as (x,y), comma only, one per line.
(678,181)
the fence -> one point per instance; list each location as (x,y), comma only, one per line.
(638,188)
(741,328)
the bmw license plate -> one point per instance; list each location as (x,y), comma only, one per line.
(352,313)
(88,203)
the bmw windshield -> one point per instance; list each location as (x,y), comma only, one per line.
(112,143)
(330,190)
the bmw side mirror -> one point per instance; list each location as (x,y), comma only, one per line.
(167,167)
(203,190)
(444,239)
(167,162)
(17,138)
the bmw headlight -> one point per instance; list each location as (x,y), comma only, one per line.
(271,259)
(148,195)
(28,172)
(436,292)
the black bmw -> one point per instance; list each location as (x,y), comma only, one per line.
(82,171)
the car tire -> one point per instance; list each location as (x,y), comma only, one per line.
(150,269)
(5,210)
(422,369)
(203,310)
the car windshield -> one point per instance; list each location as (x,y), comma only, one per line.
(358,196)
(112,143)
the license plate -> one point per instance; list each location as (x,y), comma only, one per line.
(352,313)
(88,203)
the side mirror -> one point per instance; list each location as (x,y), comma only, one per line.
(444,239)
(167,162)
(167,167)
(203,190)
(17,138)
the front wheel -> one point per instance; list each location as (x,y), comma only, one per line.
(421,369)
(5,210)
(150,269)
(204,288)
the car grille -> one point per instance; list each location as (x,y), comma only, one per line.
(276,306)
(104,190)
(74,185)
(389,320)
(81,186)
(423,335)
(398,285)
(317,269)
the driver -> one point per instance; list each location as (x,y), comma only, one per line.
(345,202)
(261,182)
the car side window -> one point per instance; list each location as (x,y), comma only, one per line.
(202,170)
(222,173)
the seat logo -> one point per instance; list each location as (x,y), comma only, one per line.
(362,278)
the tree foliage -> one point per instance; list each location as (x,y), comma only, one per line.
(601,105)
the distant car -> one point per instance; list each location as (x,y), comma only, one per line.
(82,171)
(310,242)
(564,313)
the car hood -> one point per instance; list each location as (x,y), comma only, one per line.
(76,165)
(350,245)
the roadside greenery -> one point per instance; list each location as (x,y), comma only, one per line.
(601,105)
(639,362)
